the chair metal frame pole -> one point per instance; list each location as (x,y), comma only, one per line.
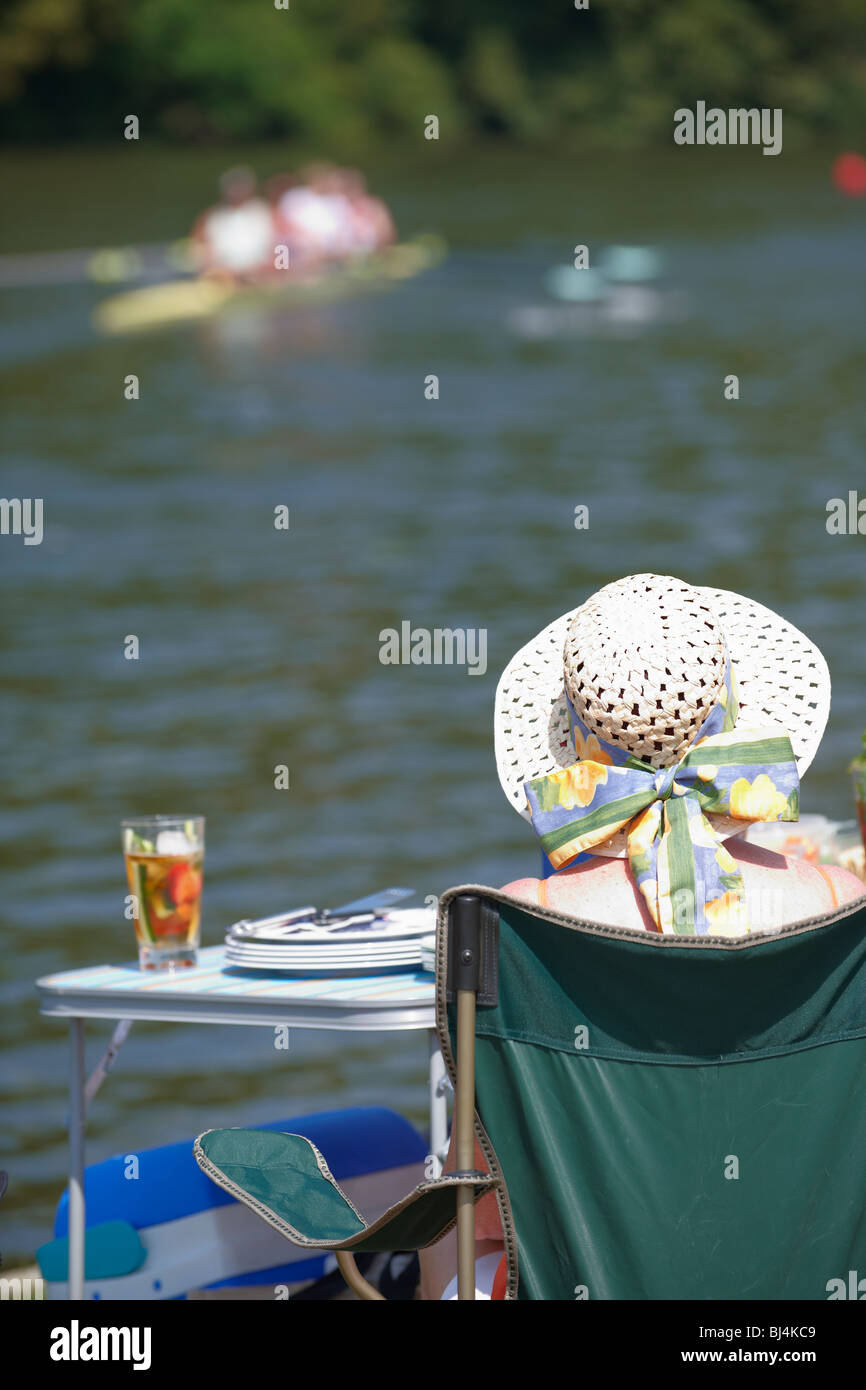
(355,1279)
(465,975)
(465,1127)
(75,1271)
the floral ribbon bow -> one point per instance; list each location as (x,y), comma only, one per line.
(691,884)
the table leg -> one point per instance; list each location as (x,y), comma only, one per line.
(76,1159)
(438,1104)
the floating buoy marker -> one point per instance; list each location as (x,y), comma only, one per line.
(849,174)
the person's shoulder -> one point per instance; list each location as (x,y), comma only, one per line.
(577,879)
(525,888)
(819,887)
(597,890)
(203,218)
(847,885)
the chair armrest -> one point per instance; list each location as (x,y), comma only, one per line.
(286,1181)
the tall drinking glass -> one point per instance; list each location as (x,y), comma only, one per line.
(164,860)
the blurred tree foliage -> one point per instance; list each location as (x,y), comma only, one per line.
(339,73)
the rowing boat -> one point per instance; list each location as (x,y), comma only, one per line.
(187,301)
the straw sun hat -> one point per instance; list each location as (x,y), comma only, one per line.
(643,662)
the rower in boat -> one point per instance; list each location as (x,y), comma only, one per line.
(371,221)
(326,215)
(310,216)
(235,239)
(300,221)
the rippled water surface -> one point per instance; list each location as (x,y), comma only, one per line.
(260,647)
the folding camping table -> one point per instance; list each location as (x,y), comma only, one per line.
(211,992)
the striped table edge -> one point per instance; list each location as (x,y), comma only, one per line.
(211,978)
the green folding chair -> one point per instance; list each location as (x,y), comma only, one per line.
(662,1117)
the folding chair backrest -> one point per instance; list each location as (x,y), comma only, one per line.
(674,1119)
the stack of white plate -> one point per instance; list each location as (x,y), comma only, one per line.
(389,943)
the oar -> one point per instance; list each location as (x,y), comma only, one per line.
(105,265)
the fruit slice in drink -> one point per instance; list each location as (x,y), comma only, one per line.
(166,891)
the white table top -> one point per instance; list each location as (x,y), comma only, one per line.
(211,992)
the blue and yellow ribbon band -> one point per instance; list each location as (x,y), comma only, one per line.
(691,884)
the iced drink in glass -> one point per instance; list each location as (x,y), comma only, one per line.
(164,861)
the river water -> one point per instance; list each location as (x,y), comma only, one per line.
(260,647)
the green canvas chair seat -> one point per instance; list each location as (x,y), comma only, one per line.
(285,1179)
(661,1117)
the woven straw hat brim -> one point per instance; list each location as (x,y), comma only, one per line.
(781,678)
